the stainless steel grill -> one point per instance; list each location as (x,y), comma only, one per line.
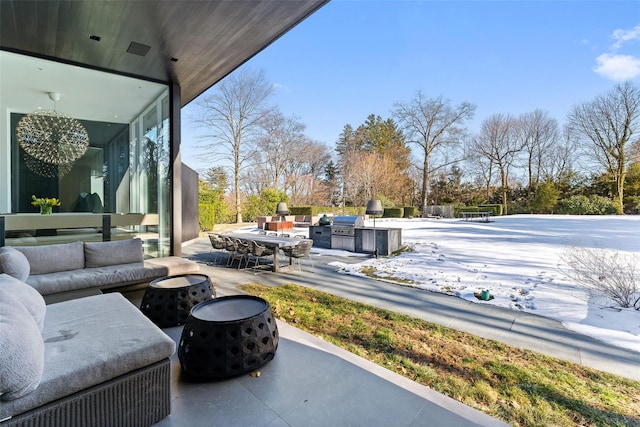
(343,232)
(351,221)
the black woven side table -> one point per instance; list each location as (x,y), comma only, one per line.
(168,300)
(227,336)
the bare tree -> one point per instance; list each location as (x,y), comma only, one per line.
(281,139)
(558,162)
(499,144)
(232,114)
(539,132)
(319,159)
(634,152)
(305,170)
(607,123)
(432,124)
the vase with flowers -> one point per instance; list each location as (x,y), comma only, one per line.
(45,204)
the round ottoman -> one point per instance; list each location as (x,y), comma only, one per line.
(167,301)
(227,336)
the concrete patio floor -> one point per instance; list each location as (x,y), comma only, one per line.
(313,383)
(310,383)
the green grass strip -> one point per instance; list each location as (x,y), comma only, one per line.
(520,387)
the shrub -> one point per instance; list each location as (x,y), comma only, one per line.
(410,211)
(583,205)
(302,210)
(207,216)
(263,204)
(632,205)
(614,275)
(212,208)
(546,198)
(393,212)
(495,209)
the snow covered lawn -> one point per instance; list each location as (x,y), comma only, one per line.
(517,258)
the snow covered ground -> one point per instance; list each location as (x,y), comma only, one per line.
(518,259)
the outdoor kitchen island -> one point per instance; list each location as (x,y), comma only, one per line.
(349,233)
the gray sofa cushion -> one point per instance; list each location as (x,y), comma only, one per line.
(111,276)
(89,341)
(171,265)
(14,263)
(53,258)
(100,254)
(21,349)
(26,295)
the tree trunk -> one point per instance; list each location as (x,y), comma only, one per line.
(237,190)
(238,205)
(503,180)
(425,186)
(619,203)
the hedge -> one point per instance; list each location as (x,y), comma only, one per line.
(495,209)
(303,210)
(393,212)
(410,211)
(207,216)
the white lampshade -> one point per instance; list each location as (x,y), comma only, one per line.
(374,207)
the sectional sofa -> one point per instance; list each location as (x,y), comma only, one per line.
(70,270)
(93,360)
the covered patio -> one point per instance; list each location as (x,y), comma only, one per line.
(310,382)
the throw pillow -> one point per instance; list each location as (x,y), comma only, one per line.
(52,258)
(101,254)
(21,350)
(14,263)
(26,295)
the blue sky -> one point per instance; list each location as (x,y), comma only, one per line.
(353,58)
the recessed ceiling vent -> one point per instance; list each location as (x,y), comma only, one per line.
(138,49)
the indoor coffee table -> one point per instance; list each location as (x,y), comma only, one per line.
(227,336)
(167,301)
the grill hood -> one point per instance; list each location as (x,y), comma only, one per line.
(349,221)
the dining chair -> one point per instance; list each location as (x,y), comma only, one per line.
(300,250)
(243,249)
(217,243)
(259,251)
(231,248)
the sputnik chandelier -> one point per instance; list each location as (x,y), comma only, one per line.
(51,140)
(47,170)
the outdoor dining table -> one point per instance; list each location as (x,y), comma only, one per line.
(274,242)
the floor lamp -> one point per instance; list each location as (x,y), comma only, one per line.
(374,207)
(281,210)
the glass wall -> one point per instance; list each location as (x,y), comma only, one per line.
(123,173)
(89,184)
(149,161)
